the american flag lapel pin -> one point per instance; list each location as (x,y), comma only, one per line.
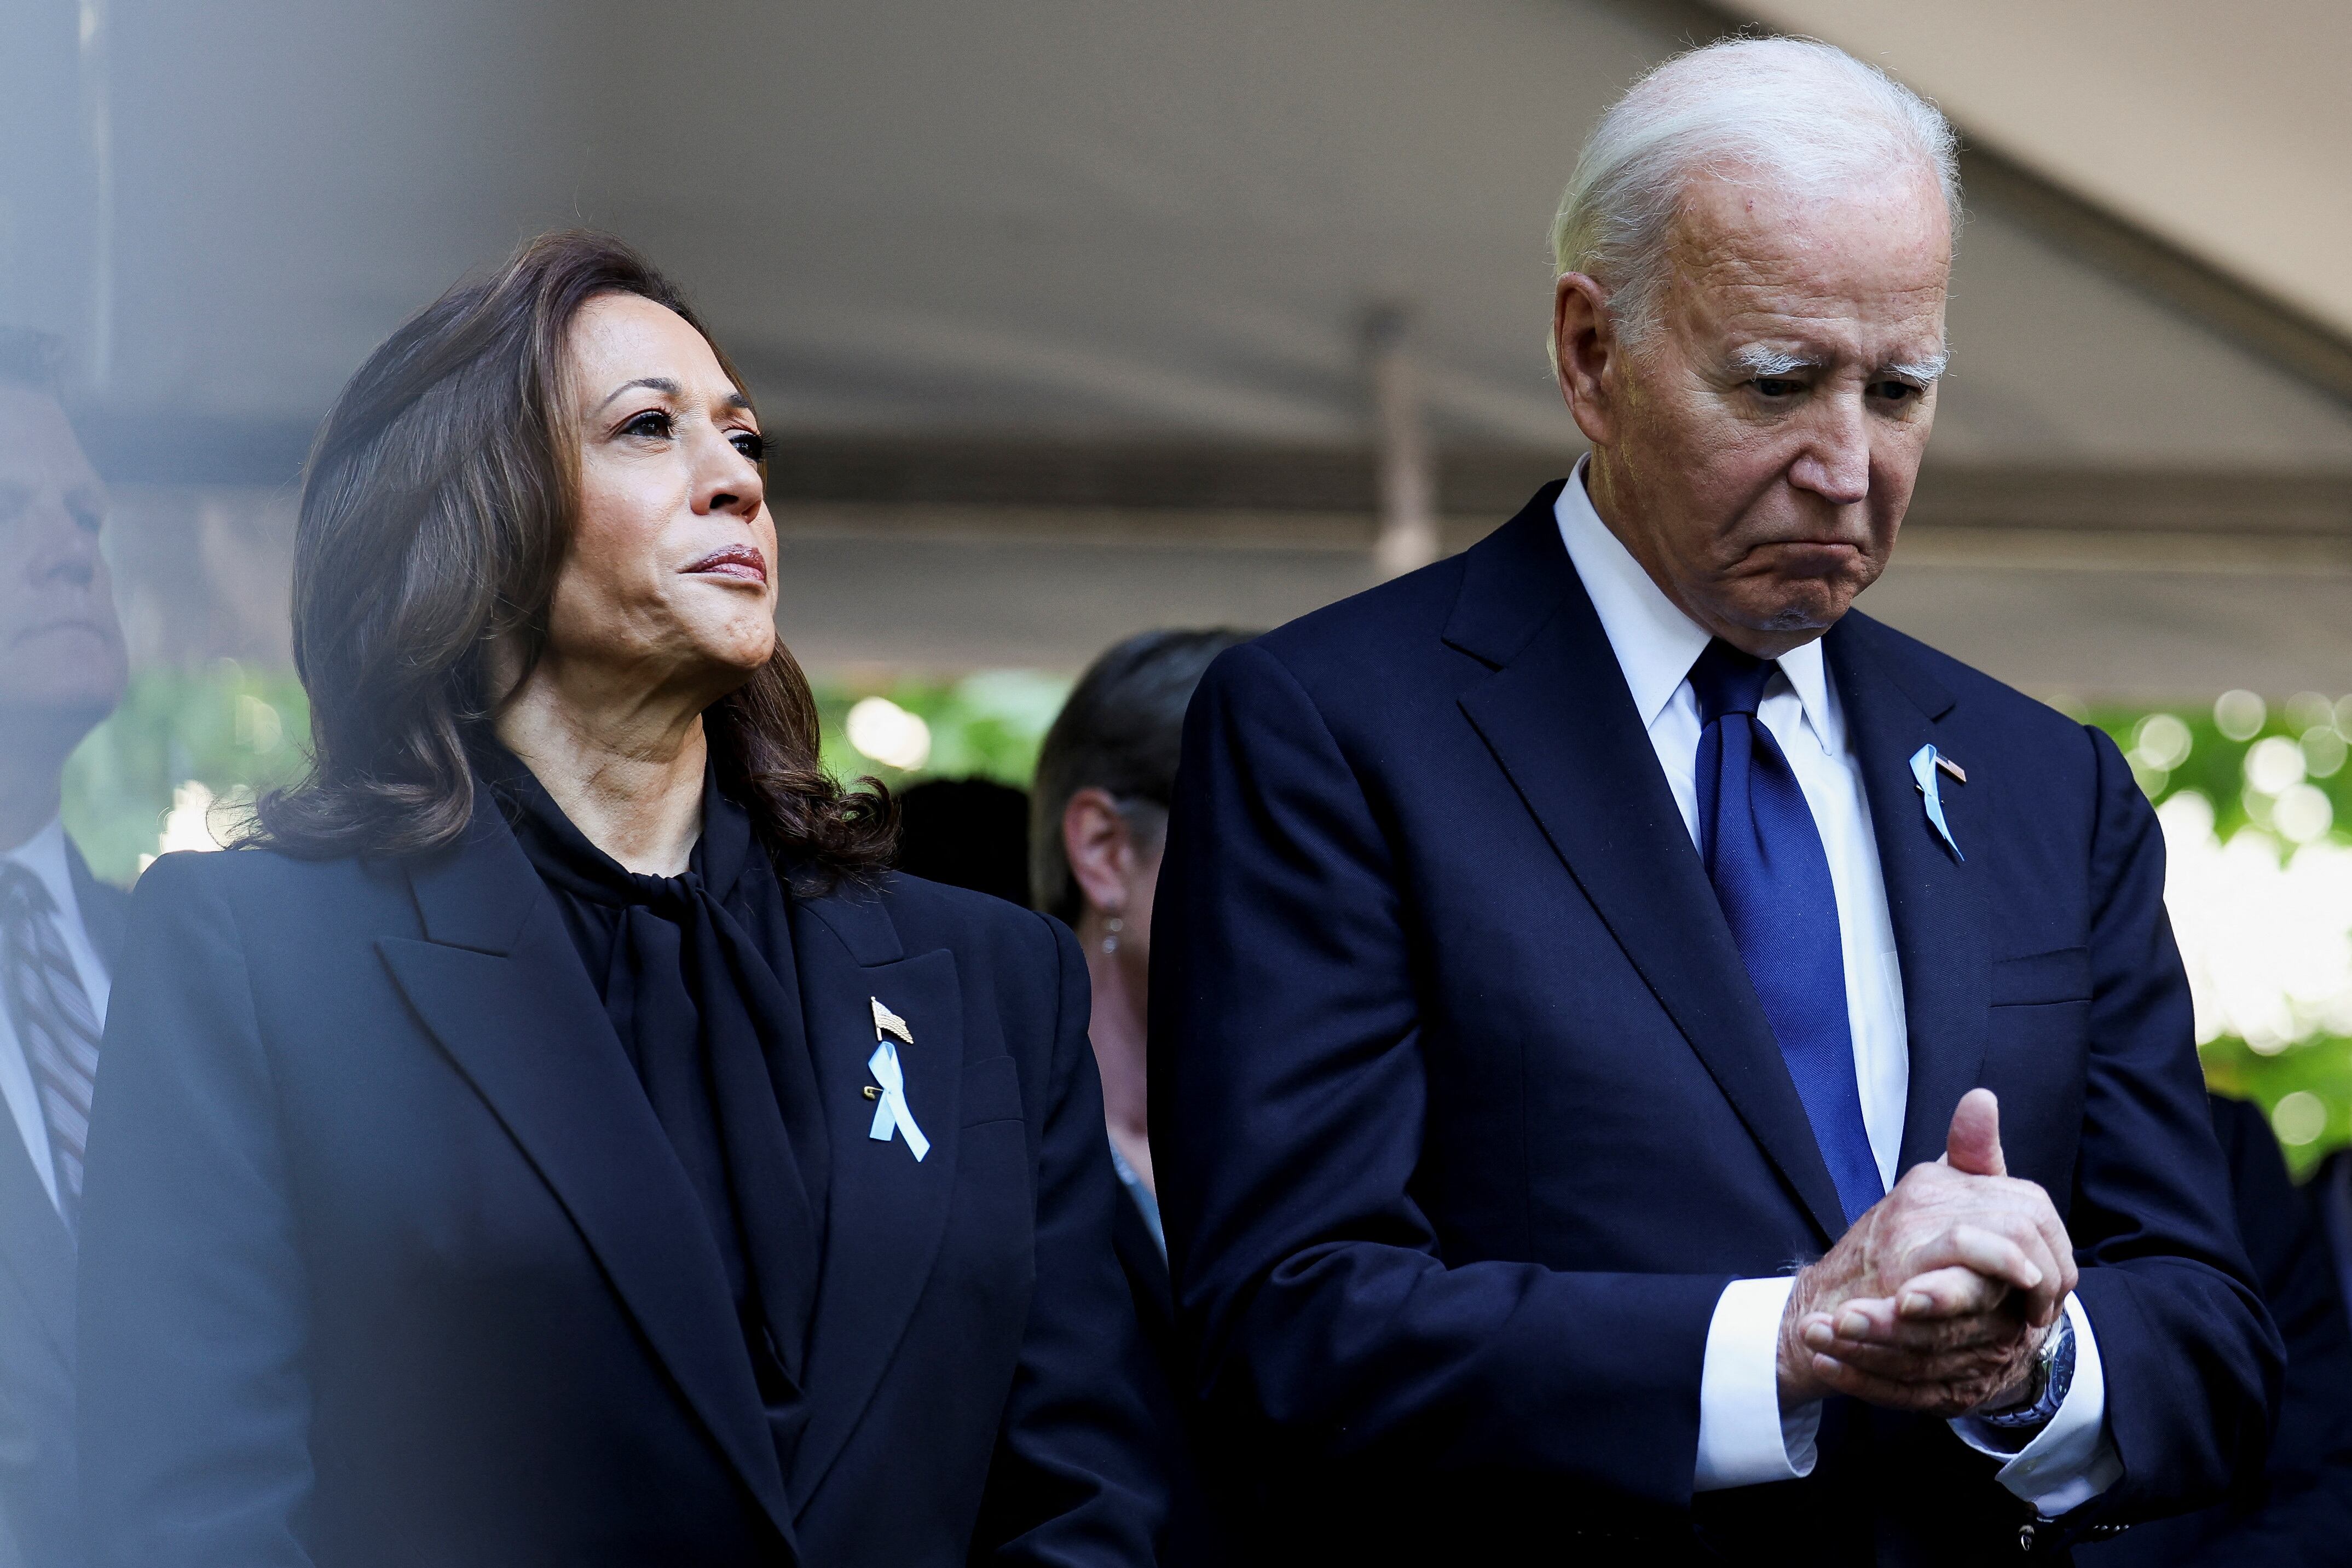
(892,1116)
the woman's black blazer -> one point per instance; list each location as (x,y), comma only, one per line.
(386,1259)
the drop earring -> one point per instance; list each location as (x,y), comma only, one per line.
(1110,940)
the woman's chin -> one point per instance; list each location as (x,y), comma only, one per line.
(739,651)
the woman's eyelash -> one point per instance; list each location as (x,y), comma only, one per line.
(655,423)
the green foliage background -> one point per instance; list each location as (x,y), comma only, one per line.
(235,729)
(2215,767)
(238,730)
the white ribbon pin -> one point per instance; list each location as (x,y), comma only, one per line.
(891,1115)
(1926,763)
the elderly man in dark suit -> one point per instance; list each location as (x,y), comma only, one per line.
(1649,1065)
(61,672)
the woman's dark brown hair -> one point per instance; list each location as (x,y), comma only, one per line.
(436,508)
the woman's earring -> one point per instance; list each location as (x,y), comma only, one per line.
(1111,942)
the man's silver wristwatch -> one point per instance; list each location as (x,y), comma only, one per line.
(2047,1381)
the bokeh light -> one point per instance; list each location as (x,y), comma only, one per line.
(2299,1118)
(881,729)
(2274,766)
(2161,740)
(2323,751)
(2239,715)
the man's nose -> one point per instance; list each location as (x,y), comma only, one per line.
(59,548)
(1835,462)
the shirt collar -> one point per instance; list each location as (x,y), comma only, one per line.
(1654,641)
(43,854)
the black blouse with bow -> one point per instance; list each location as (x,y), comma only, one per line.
(691,969)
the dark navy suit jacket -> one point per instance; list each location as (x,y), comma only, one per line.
(38,1510)
(2297,1512)
(386,1260)
(1466,1110)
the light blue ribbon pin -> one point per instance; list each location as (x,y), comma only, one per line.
(891,1115)
(1924,764)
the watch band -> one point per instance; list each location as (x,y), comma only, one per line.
(2053,1375)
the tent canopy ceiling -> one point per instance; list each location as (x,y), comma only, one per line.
(1058,307)
(2226,129)
(924,216)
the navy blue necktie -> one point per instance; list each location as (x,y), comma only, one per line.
(1764,856)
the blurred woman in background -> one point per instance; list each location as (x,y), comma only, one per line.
(556,1139)
(1097,813)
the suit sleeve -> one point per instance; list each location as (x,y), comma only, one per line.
(195,1406)
(2304,1515)
(2192,1363)
(1076,1475)
(1290,1102)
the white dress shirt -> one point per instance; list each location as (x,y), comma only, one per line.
(1743,1438)
(43,854)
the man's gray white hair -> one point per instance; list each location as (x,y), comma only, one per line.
(1795,113)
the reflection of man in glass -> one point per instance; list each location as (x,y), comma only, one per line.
(61,672)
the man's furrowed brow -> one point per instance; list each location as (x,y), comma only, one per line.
(1920,371)
(1757,360)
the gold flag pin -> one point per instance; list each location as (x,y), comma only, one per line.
(887,1022)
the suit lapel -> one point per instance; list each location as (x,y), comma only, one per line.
(1559,719)
(500,985)
(1891,710)
(888,1211)
(34,1247)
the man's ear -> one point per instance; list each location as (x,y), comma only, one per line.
(1585,352)
(1100,848)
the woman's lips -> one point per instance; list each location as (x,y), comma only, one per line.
(740,563)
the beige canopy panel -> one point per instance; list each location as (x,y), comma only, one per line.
(2225,129)
(1073,317)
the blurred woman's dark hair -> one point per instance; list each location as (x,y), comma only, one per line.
(437,505)
(1120,733)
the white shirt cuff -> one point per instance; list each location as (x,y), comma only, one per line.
(2071,1460)
(1744,1440)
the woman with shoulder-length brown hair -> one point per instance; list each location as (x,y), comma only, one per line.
(554,1138)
